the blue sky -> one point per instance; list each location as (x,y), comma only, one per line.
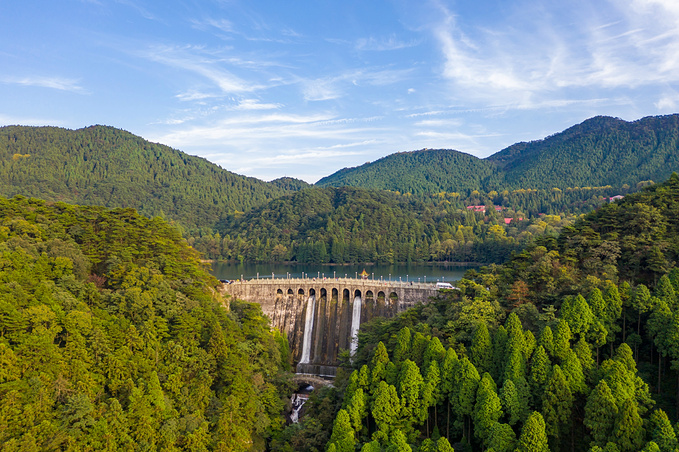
(304,88)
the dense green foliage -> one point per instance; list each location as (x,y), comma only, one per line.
(600,151)
(567,347)
(104,166)
(419,172)
(358,225)
(289,183)
(112,337)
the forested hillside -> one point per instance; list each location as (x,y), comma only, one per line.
(420,172)
(570,346)
(112,337)
(342,225)
(104,166)
(600,151)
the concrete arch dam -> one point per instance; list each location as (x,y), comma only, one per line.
(322,316)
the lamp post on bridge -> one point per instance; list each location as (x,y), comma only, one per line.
(389,277)
(356,275)
(406,279)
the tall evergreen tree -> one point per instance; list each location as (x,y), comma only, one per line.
(533,436)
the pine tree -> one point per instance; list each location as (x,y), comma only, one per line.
(533,436)
(511,404)
(562,340)
(402,351)
(628,430)
(578,314)
(410,385)
(386,407)
(467,382)
(398,442)
(488,408)
(557,407)
(342,433)
(662,432)
(502,438)
(356,409)
(481,350)
(448,371)
(546,340)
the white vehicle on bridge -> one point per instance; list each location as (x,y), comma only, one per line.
(444,285)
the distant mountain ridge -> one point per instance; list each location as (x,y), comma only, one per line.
(101,165)
(600,151)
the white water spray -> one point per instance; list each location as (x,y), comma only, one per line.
(355,323)
(308,329)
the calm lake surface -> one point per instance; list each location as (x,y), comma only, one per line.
(412,272)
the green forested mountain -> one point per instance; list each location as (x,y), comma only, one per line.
(347,224)
(104,166)
(290,183)
(600,151)
(570,346)
(112,337)
(418,172)
(341,225)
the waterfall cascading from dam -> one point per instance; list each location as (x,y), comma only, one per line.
(308,329)
(355,323)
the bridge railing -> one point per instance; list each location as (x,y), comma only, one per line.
(341,281)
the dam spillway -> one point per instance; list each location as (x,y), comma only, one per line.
(318,316)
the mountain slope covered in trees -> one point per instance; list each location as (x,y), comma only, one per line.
(112,337)
(105,166)
(600,151)
(570,346)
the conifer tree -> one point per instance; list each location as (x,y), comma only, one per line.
(398,442)
(511,405)
(628,430)
(448,372)
(578,314)
(502,438)
(467,382)
(665,291)
(572,370)
(557,406)
(386,407)
(499,352)
(442,445)
(662,432)
(402,351)
(546,340)
(540,370)
(481,349)
(562,340)
(342,433)
(487,410)
(356,409)
(410,385)
(435,351)
(533,436)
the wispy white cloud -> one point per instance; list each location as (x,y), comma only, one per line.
(254,104)
(384,43)
(524,66)
(191,59)
(334,87)
(58,83)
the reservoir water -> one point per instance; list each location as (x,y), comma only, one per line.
(413,272)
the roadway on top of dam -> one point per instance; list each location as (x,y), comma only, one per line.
(337,282)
